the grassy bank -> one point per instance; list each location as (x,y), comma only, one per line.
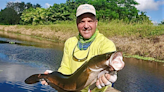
(144,40)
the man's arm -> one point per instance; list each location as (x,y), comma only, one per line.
(106,79)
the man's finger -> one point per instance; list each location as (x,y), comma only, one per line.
(113,78)
(107,76)
(48,71)
(98,84)
(105,79)
(101,79)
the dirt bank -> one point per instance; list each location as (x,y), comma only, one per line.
(146,47)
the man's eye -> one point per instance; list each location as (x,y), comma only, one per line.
(91,21)
(81,21)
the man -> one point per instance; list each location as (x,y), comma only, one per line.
(87,44)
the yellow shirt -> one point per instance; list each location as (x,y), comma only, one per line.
(100,45)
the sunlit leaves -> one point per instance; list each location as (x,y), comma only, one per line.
(35,16)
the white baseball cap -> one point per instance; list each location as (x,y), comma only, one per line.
(85,8)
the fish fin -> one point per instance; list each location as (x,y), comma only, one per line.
(33,79)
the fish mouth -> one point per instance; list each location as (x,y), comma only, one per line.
(116,61)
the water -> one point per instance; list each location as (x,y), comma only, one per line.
(19,61)
(141,76)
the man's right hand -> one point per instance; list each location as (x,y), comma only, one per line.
(43,82)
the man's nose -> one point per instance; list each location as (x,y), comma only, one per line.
(86,25)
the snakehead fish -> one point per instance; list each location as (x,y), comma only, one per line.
(84,76)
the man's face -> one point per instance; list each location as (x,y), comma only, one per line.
(86,25)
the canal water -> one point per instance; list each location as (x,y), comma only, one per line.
(22,56)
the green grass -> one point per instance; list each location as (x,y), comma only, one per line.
(119,28)
(111,28)
(143,58)
(64,27)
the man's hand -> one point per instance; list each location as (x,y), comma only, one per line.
(105,80)
(43,82)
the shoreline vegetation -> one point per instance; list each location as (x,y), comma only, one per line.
(143,41)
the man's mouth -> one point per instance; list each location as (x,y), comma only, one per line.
(86,31)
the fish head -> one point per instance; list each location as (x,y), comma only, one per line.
(115,61)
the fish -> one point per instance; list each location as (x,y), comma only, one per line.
(84,76)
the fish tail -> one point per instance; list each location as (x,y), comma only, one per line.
(33,79)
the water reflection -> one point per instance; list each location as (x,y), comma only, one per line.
(13,75)
(21,58)
(28,41)
(19,62)
(141,76)
(17,43)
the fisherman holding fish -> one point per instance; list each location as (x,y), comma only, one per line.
(81,48)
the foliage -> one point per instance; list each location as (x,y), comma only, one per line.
(142,18)
(9,16)
(57,12)
(60,12)
(19,7)
(34,16)
(107,10)
(162,23)
(114,9)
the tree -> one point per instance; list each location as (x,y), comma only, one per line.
(19,7)
(9,16)
(60,12)
(35,16)
(37,6)
(162,22)
(142,18)
(113,9)
(106,10)
(28,5)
